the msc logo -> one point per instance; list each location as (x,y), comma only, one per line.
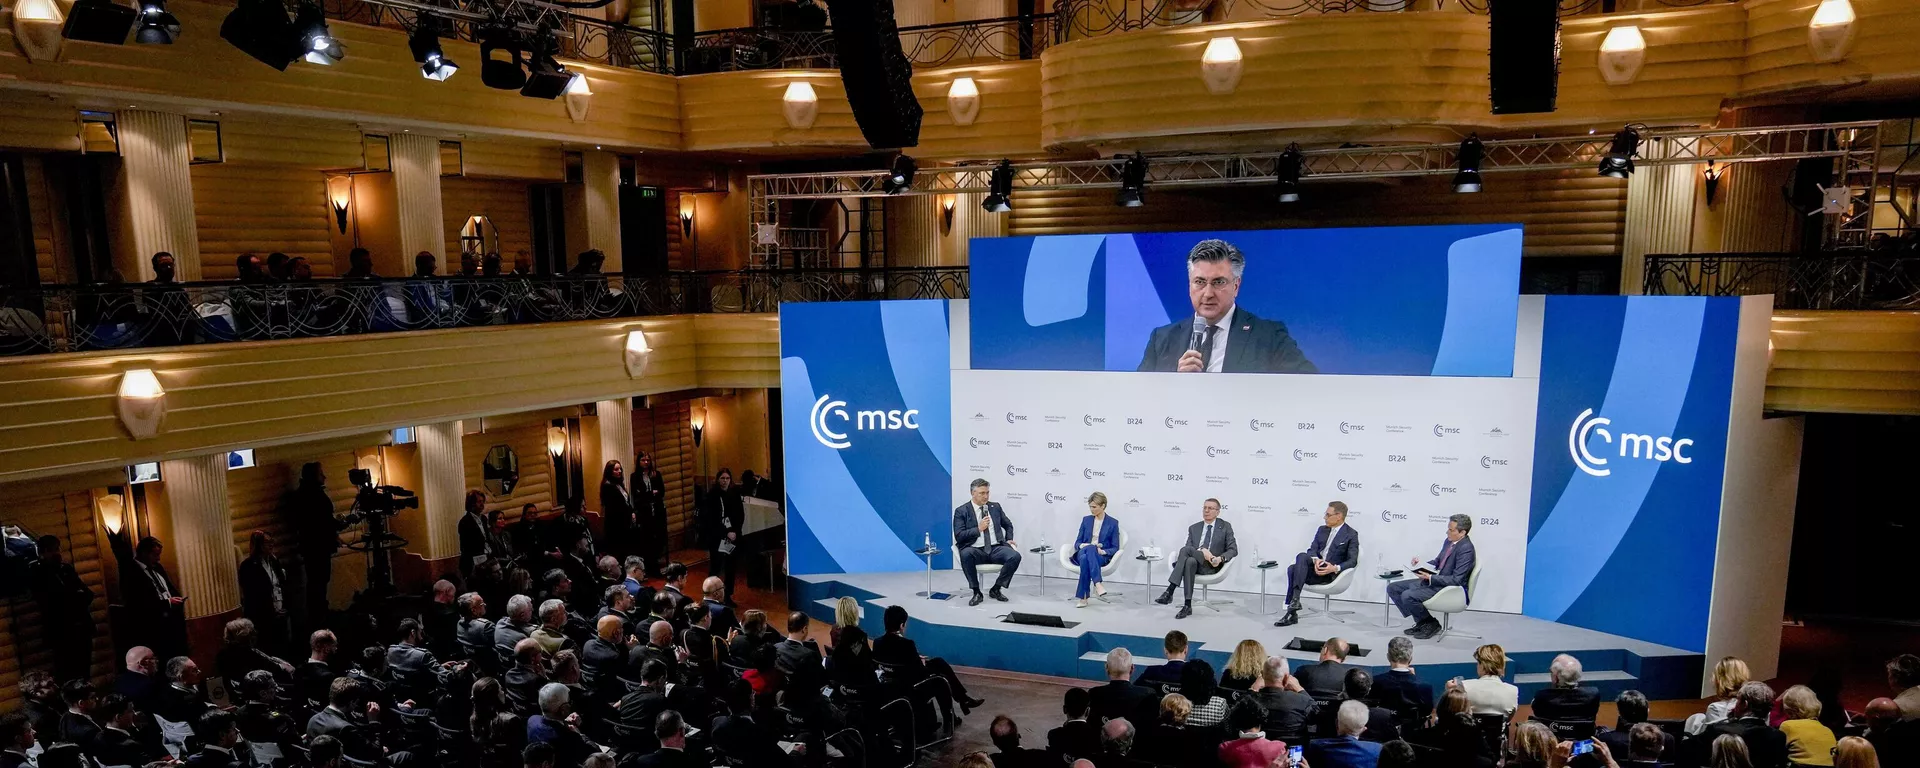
(1257,425)
(1348,429)
(1304,426)
(826,407)
(1388,516)
(1090,419)
(1396,458)
(1259,481)
(1303,455)
(1172,422)
(1176,478)
(1441,430)
(1439,490)
(1013,417)
(1013,470)
(1056,445)
(1052,498)
(1489,462)
(1212,451)
(1129,448)
(1632,446)
(974,442)
(1090,473)
(1346,485)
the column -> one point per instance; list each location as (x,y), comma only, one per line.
(616,433)
(1660,210)
(155,159)
(416,182)
(200,534)
(602,206)
(443,481)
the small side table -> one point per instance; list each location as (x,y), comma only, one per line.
(928,553)
(1263,568)
(1386,601)
(1044,551)
(1150,560)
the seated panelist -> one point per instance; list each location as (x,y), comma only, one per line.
(983,533)
(1094,547)
(1335,548)
(1450,569)
(1210,544)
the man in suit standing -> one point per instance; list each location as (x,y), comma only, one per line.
(1450,569)
(263,593)
(1326,680)
(983,534)
(1335,548)
(66,610)
(154,603)
(1345,750)
(1120,697)
(1220,337)
(1210,545)
(476,546)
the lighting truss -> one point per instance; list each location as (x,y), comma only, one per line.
(525,16)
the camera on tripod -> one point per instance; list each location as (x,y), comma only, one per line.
(378,501)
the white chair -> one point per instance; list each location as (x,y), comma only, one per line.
(1342,582)
(1451,600)
(1205,580)
(1106,571)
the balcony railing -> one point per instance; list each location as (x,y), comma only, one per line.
(581,38)
(1851,279)
(70,318)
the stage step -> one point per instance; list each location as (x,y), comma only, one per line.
(1609,682)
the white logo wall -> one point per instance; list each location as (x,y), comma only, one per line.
(1402,452)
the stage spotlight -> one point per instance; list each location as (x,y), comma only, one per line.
(1133,183)
(1286,172)
(157,26)
(546,79)
(506,74)
(999,197)
(425,42)
(1467,178)
(1619,160)
(900,178)
(99,21)
(317,44)
(259,29)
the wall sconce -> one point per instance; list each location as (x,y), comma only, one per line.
(801,105)
(1830,33)
(556,441)
(946,215)
(1622,53)
(112,509)
(686,215)
(579,95)
(698,420)
(37,27)
(1712,182)
(637,353)
(963,100)
(142,403)
(1220,65)
(375,466)
(339,196)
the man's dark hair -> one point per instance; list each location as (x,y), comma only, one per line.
(633,563)
(147,544)
(323,750)
(668,725)
(739,697)
(343,692)
(407,628)
(1462,522)
(1216,250)
(674,572)
(1903,671)
(895,618)
(695,613)
(13,725)
(537,753)
(652,672)
(255,684)
(49,543)
(612,593)
(662,604)
(1633,707)
(1359,683)
(978,482)
(212,725)
(111,706)
(1396,754)
(796,622)
(177,668)
(76,691)
(1246,715)
(1175,642)
(1644,742)
(1076,702)
(552,578)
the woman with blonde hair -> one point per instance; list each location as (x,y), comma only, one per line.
(1490,693)
(1094,547)
(1808,741)
(1243,668)
(846,613)
(1167,741)
(1730,752)
(1728,675)
(1855,752)
(1531,746)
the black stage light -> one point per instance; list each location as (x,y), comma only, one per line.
(1619,160)
(425,42)
(1133,183)
(317,44)
(259,29)
(900,178)
(546,79)
(1286,172)
(999,197)
(98,21)
(507,74)
(157,26)
(1467,178)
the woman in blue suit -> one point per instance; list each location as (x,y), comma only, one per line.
(1094,547)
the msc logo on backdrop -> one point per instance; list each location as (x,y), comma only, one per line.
(828,408)
(1489,462)
(1442,490)
(1388,516)
(1212,451)
(1013,417)
(1442,430)
(1090,419)
(1303,455)
(1632,446)
(1052,498)
(1257,425)
(1346,485)
(1013,470)
(1348,429)
(1090,473)
(1172,422)
(1129,448)
(974,442)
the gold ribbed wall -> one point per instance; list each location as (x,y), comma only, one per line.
(918,235)
(1845,362)
(200,533)
(31,121)
(507,159)
(1692,62)
(47,255)
(159,192)
(443,489)
(1754,215)
(1660,215)
(260,209)
(602,171)
(416,181)
(505,202)
(24,644)
(743,111)
(1008,121)
(1779,63)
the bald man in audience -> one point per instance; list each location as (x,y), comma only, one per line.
(659,647)
(604,657)
(714,592)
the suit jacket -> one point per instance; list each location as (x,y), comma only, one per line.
(1075,739)
(213,757)
(1254,345)
(313,679)
(1765,744)
(1345,551)
(739,738)
(1619,741)
(1122,698)
(1223,545)
(801,664)
(349,729)
(12,759)
(78,729)
(1288,713)
(721,513)
(605,662)
(256,587)
(1342,752)
(1325,681)
(182,705)
(641,706)
(966,524)
(117,747)
(412,666)
(902,655)
(1403,692)
(723,619)
(1163,674)
(65,601)
(1109,542)
(139,688)
(616,508)
(474,541)
(507,634)
(1566,705)
(1459,566)
(669,758)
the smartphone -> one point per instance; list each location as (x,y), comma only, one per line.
(1295,754)
(1582,746)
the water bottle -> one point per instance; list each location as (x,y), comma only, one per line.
(1043,541)
(926,539)
(1256,556)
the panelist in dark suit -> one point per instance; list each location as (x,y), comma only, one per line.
(1335,548)
(1094,547)
(1220,337)
(1450,569)
(1210,545)
(983,534)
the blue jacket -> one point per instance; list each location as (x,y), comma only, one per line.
(1345,551)
(1343,752)
(1459,566)
(966,527)
(1109,536)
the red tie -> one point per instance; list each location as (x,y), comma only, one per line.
(1445,552)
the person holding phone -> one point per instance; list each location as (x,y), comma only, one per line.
(1450,569)
(1335,548)
(1094,547)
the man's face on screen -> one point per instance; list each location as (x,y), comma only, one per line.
(1212,287)
(1209,511)
(980,494)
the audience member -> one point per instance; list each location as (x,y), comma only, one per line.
(1490,693)
(1198,685)
(16,738)
(1327,678)
(182,701)
(1077,737)
(116,744)
(1397,754)
(76,724)
(66,610)
(1850,752)
(1121,697)
(218,735)
(670,730)
(1729,751)
(1381,725)
(1005,734)
(897,653)
(137,680)
(1243,667)
(714,590)
(1766,746)
(1566,705)
(1808,741)
(1531,746)
(1454,737)
(315,676)
(1168,741)
(1729,673)
(1167,674)
(1345,749)
(1251,748)
(1399,688)
(1647,745)
(557,724)
(43,705)
(1288,708)
(1903,675)
(1632,708)
(1894,740)
(1116,746)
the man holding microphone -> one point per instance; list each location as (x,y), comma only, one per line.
(983,534)
(1335,548)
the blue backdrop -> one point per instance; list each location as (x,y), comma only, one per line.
(1618,542)
(1440,300)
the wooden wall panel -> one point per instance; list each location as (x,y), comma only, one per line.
(293,142)
(1693,62)
(507,159)
(254,499)
(738,350)
(47,252)
(665,432)
(23,642)
(1007,125)
(1779,63)
(529,442)
(742,111)
(1845,362)
(260,209)
(31,121)
(503,201)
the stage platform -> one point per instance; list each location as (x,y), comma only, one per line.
(976,636)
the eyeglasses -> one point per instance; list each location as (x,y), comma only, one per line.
(1217,283)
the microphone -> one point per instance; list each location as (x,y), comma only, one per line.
(1199,335)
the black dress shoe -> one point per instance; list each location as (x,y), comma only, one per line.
(995,594)
(971,703)
(1292,618)
(1413,630)
(1165,597)
(1426,631)
(976,599)
(1185,611)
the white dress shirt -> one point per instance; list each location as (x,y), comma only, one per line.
(1095,539)
(986,536)
(1217,358)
